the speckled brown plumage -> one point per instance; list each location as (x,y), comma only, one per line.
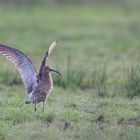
(38,86)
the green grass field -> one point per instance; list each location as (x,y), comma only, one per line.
(98,53)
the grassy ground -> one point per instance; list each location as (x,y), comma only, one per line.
(98,55)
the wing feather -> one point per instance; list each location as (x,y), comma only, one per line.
(23,65)
(45,58)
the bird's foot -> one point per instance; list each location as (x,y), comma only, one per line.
(43,108)
(35,108)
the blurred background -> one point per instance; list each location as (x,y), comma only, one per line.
(83,2)
(98,53)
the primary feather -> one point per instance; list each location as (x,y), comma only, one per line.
(45,58)
(23,65)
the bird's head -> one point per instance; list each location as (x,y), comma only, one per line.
(49,69)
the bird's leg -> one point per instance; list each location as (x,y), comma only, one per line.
(43,108)
(35,108)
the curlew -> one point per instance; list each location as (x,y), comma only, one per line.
(38,85)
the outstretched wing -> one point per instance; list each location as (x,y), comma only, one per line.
(23,65)
(45,57)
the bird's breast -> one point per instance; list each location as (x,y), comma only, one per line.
(47,82)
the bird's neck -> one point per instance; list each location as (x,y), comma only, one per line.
(46,79)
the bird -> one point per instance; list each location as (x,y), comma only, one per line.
(39,85)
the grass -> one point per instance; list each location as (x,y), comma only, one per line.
(98,55)
(132,84)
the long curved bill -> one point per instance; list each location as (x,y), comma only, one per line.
(56,71)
